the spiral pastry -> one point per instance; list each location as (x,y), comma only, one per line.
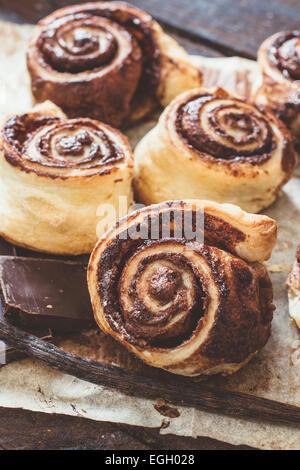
(196,302)
(293,288)
(279,61)
(107,61)
(55,175)
(210,145)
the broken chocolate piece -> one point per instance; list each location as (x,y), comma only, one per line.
(7,248)
(45,293)
(25,253)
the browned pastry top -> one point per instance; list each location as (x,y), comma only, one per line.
(88,39)
(67,47)
(226,128)
(55,147)
(279,57)
(155,296)
(284,53)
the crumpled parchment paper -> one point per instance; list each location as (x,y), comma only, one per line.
(274,373)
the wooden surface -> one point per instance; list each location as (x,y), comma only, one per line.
(208,27)
(229,26)
(22,430)
(179,391)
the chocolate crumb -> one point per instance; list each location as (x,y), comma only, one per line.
(165,410)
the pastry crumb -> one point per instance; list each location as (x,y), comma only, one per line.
(277,268)
(295,353)
(166,410)
(165,423)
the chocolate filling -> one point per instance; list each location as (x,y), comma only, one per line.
(74,143)
(285,54)
(138,324)
(233,132)
(165,285)
(78,42)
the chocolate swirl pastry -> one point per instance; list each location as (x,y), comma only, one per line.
(279,60)
(55,174)
(293,288)
(108,61)
(196,302)
(211,145)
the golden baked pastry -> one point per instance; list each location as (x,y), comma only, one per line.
(279,61)
(182,285)
(55,174)
(211,145)
(107,60)
(293,287)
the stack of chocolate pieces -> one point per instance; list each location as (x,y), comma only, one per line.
(44,296)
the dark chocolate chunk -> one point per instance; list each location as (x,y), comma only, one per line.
(45,293)
(7,248)
(26,253)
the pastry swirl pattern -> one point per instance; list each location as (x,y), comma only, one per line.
(279,61)
(179,304)
(209,144)
(108,61)
(225,128)
(65,171)
(284,54)
(59,147)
